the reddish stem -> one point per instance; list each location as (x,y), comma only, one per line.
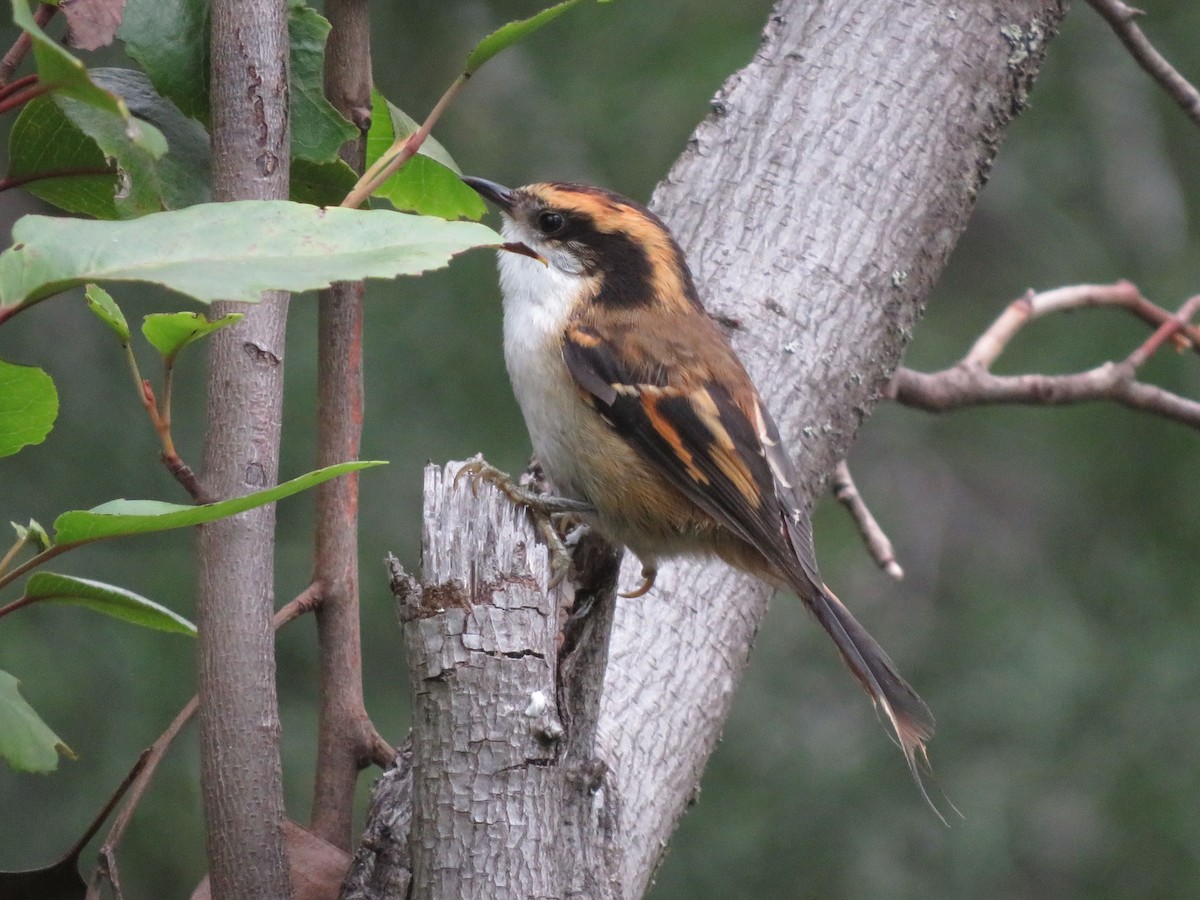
(23,82)
(20,98)
(42,16)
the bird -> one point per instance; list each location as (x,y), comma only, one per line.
(644,419)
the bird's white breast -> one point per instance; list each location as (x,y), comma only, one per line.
(538,300)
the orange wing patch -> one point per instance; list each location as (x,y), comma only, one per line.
(668,433)
(723,451)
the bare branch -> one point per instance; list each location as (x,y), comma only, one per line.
(880,548)
(139,777)
(970,383)
(1122,19)
(142,773)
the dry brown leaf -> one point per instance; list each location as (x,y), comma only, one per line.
(91,23)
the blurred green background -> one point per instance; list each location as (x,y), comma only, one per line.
(1050,612)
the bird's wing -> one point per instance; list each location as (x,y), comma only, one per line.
(700,438)
(724,453)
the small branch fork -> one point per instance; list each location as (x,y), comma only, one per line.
(379,752)
(1122,18)
(971,383)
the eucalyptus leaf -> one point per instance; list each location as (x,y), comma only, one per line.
(171,332)
(28,406)
(105,307)
(119,518)
(26,742)
(228,251)
(48,587)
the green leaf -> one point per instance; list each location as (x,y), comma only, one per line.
(429,182)
(105,307)
(321,184)
(171,332)
(507,35)
(139,187)
(43,141)
(33,533)
(184,171)
(28,406)
(68,78)
(118,518)
(49,138)
(47,587)
(389,122)
(169,40)
(228,251)
(318,130)
(26,742)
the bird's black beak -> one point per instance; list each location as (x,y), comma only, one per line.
(489,190)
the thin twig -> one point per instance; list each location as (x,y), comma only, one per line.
(1168,329)
(304,602)
(7,90)
(184,474)
(401,151)
(1122,295)
(143,772)
(880,548)
(1121,17)
(970,382)
(12,552)
(20,98)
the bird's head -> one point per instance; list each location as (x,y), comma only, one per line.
(618,251)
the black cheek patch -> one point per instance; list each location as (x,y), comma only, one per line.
(626,281)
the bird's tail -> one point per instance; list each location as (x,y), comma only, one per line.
(907,713)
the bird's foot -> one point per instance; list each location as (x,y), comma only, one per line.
(549,513)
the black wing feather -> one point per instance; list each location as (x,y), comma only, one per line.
(631,400)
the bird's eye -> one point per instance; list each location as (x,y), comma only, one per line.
(550,223)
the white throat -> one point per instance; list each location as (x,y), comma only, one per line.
(538,301)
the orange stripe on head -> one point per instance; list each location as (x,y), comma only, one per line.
(670,279)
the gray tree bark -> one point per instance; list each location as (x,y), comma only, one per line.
(240,771)
(817,204)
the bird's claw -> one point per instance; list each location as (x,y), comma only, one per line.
(649,573)
(544,505)
(546,510)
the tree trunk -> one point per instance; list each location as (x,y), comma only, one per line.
(342,727)
(241,779)
(817,204)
